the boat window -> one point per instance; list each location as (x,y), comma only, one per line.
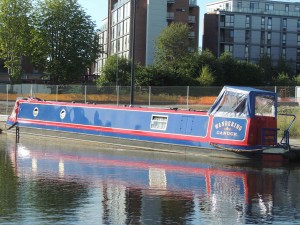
(232,105)
(265,105)
(158,122)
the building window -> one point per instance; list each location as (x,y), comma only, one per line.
(262,37)
(252,6)
(298,54)
(263,21)
(269,7)
(114,17)
(297,8)
(120,14)
(247,21)
(298,40)
(247,36)
(269,22)
(231,33)
(239,5)
(298,24)
(228,48)
(284,38)
(118,47)
(119,30)
(113,33)
(127,10)
(269,51)
(229,20)
(269,37)
(283,53)
(286,8)
(284,23)
(112,47)
(246,52)
(228,6)
(262,50)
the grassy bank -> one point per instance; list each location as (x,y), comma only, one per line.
(284,121)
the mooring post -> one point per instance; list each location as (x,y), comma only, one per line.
(17,134)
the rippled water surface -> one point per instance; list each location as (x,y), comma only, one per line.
(49,181)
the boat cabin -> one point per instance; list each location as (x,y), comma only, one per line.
(244,115)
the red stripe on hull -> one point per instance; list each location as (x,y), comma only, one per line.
(116,130)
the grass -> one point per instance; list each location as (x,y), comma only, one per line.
(283,122)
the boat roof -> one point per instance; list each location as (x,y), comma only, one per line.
(238,101)
(247,90)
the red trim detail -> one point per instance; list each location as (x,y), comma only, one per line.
(116,130)
(128,108)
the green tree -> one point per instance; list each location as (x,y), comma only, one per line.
(283,79)
(229,65)
(207,58)
(284,66)
(265,62)
(173,51)
(247,74)
(65,40)
(14,35)
(115,68)
(297,80)
(206,77)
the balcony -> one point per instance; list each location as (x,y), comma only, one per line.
(171,1)
(261,11)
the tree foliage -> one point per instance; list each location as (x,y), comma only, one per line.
(206,58)
(14,35)
(173,51)
(265,62)
(65,41)
(297,80)
(283,79)
(228,65)
(206,77)
(116,71)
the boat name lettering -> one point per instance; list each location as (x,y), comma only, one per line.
(227,124)
(227,133)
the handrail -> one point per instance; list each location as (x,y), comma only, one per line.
(285,141)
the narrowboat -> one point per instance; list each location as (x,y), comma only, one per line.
(241,123)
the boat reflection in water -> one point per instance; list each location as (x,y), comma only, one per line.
(80,184)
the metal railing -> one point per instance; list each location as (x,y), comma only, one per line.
(189,97)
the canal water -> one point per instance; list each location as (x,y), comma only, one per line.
(50,181)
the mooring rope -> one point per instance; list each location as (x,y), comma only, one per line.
(237,150)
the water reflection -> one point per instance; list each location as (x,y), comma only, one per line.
(56,182)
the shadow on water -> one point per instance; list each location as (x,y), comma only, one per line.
(50,181)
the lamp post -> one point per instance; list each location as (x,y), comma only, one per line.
(132,53)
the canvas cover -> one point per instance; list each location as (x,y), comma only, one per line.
(244,102)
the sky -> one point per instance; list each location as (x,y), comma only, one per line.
(97,9)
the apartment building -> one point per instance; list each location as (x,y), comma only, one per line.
(251,28)
(151,17)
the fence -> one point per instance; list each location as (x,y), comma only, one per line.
(176,96)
